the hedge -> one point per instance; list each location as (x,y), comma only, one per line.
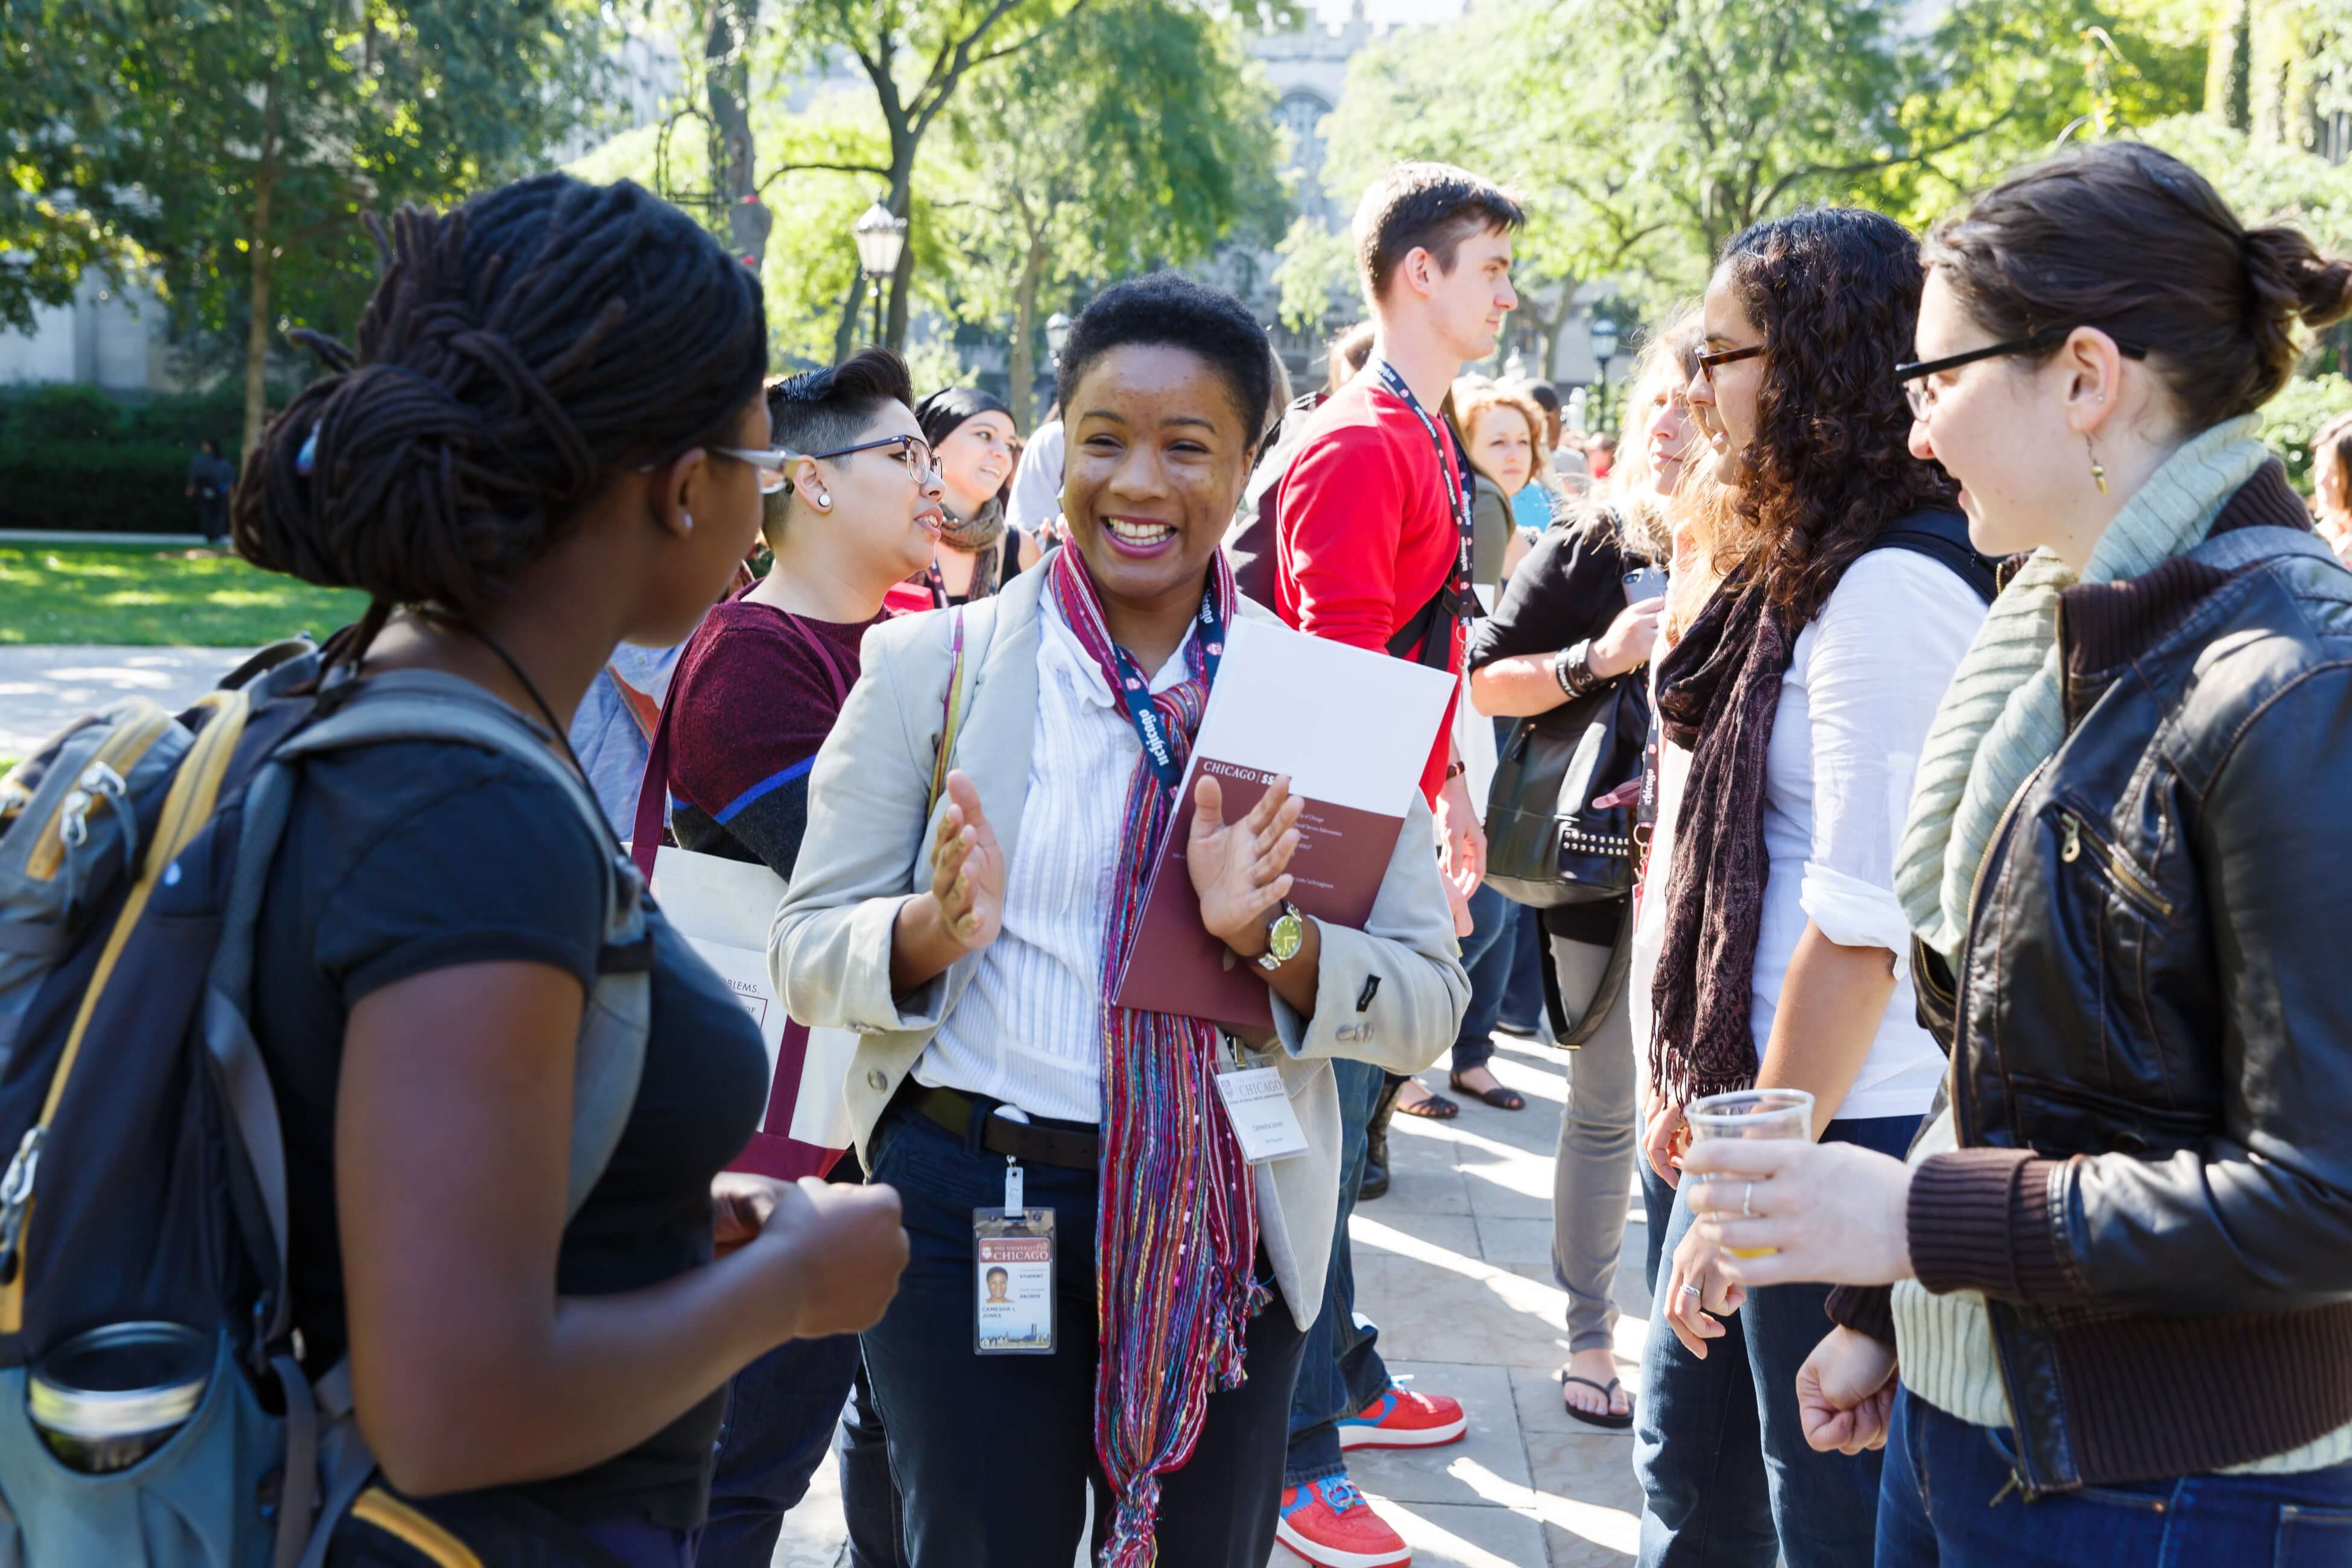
(97,487)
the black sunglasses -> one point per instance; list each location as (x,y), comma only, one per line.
(1923,398)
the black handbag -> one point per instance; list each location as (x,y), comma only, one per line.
(1546,843)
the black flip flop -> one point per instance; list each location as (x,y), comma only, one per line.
(1498,1097)
(1609,1391)
(1436,1108)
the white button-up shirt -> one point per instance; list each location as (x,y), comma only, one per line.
(1028,1029)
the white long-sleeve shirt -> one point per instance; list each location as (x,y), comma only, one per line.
(1028,1030)
(1860,689)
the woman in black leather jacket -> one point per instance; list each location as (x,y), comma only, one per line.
(2121,1256)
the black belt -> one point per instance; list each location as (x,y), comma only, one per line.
(1067,1147)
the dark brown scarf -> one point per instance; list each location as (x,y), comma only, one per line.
(1718,691)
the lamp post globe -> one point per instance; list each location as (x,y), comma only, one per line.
(881,237)
(1057,335)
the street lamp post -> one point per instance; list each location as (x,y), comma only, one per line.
(881,237)
(1057,335)
(1604,349)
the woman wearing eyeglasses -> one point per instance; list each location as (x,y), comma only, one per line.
(2121,1254)
(1803,692)
(852,507)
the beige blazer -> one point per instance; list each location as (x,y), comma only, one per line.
(829,949)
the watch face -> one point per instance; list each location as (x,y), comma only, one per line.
(1289,935)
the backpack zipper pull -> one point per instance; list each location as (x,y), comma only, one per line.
(16,1193)
(2073,847)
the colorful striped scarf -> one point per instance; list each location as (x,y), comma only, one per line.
(1176,1235)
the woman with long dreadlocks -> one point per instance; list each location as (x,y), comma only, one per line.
(978,946)
(550,441)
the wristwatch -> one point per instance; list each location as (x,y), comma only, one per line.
(1284,938)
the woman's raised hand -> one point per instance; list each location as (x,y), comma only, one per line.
(1241,869)
(967,869)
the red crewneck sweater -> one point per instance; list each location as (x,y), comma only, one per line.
(1365,534)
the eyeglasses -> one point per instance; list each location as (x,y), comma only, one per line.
(768,462)
(1921,393)
(913,451)
(1707,363)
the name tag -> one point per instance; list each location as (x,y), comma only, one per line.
(1012,1275)
(1258,1105)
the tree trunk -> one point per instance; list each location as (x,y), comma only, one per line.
(733,153)
(1022,369)
(2227,78)
(902,180)
(264,271)
(853,310)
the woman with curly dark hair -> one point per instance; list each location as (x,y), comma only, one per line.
(1803,692)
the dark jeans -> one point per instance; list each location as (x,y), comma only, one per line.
(870,1498)
(1341,1371)
(1728,1478)
(994,1455)
(1946,1501)
(780,1413)
(1487,955)
(1523,998)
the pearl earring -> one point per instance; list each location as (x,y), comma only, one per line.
(686,520)
(822,499)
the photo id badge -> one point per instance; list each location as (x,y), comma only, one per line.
(1258,1105)
(1012,1281)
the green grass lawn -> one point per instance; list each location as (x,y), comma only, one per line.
(120,595)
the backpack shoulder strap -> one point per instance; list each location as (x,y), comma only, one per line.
(1942,536)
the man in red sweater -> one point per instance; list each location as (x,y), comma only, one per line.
(1374,550)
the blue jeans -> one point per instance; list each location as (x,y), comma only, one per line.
(1728,1478)
(1341,1371)
(1487,955)
(1523,998)
(994,1455)
(780,1413)
(1946,1501)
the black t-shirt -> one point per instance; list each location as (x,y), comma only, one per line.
(401,859)
(1570,587)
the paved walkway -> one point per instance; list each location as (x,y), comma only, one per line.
(1454,1263)
(42,689)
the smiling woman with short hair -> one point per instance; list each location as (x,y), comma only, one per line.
(974,939)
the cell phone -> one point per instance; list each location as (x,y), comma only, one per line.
(1647,583)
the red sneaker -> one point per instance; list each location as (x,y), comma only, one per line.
(1329,1523)
(1399,1419)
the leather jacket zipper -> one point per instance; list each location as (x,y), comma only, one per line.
(2126,878)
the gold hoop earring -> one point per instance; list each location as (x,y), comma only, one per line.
(2098,472)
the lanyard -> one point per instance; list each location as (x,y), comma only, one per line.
(1202,653)
(1459,496)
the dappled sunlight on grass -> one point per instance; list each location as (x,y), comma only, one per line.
(132,597)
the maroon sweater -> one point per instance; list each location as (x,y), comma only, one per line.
(756,692)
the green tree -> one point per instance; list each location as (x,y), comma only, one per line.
(242,141)
(1136,135)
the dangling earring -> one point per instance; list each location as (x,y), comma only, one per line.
(2098,473)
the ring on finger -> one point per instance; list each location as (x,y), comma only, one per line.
(1691,1290)
(1747,1201)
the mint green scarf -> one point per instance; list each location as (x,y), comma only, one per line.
(2002,715)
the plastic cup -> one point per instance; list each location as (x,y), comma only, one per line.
(1753,1113)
